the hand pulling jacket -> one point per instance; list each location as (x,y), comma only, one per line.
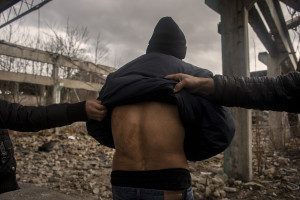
(281,93)
(209,128)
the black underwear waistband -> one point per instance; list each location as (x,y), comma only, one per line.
(166,179)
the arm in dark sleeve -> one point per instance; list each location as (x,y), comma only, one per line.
(30,118)
(266,93)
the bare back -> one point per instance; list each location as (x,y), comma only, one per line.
(148,136)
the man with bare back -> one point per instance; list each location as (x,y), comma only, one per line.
(149,139)
(154,130)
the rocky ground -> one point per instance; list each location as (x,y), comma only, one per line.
(76,163)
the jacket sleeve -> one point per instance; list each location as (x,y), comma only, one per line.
(30,118)
(281,93)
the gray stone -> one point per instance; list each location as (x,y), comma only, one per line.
(53,180)
(218,181)
(271,171)
(238,182)
(230,189)
(216,194)
(254,185)
(207,191)
(283,161)
(96,190)
(217,170)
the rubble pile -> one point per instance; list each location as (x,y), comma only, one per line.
(71,161)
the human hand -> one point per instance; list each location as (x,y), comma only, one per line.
(192,84)
(95,110)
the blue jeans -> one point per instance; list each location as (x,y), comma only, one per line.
(127,193)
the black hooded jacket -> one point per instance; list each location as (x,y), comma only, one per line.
(209,128)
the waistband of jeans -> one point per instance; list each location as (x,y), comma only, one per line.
(165,179)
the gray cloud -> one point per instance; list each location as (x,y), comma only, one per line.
(127,25)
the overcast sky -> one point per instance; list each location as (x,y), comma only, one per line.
(127,25)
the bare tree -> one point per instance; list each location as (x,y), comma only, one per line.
(70,42)
(100,50)
(73,41)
